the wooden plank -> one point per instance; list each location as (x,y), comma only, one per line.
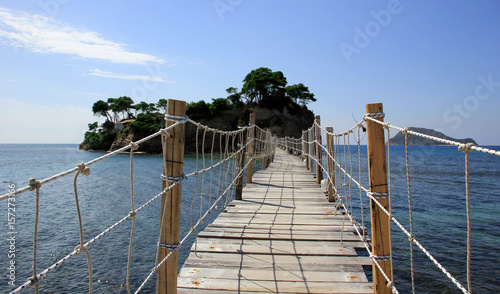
(196,273)
(256,246)
(276,286)
(282,237)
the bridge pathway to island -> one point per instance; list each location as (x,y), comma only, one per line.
(283,237)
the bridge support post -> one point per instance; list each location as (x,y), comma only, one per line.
(319,150)
(380,222)
(330,164)
(238,193)
(173,159)
(251,144)
(310,149)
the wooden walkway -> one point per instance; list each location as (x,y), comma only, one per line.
(282,238)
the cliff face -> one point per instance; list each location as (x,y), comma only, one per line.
(399,139)
(285,122)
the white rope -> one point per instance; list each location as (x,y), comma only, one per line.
(412,269)
(89,163)
(133,147)
(35,185)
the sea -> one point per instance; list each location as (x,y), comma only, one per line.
(437,187)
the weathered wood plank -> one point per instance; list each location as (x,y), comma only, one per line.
(282,237)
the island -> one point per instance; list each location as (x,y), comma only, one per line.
(399,139)
(280,107)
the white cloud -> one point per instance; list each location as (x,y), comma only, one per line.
(29,123)
(46,35)
(107,74)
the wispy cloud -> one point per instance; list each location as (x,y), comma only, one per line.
(46,35)
(107,74)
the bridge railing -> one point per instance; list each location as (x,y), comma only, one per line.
(342,174)
(220,167)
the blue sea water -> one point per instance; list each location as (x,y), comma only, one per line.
(438,201)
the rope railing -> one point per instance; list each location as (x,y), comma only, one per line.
(231,146)
(306,146)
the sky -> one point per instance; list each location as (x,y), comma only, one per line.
(433,64)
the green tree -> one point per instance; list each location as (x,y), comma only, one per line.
(262,83)
(101,108)
(219,106)
(300,94)
(93,126)
(198,110)
(121,105)
(162,105)
(145,107)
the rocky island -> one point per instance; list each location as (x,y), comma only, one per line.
(399,139)
(279,107)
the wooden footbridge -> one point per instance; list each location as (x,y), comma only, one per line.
(283,232)
(283,237)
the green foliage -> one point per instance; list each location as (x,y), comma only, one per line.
(219,106)
(99,141)
(261,84)
(145,107)
(101,108)
(93,126)
(121,105)
(300,94)
(198,110)
(146,123)
(162,105)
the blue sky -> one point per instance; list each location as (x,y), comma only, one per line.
(433,64)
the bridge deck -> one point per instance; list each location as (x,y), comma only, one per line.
(282,238)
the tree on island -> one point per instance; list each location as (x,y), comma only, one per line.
(261,84)
(300,93)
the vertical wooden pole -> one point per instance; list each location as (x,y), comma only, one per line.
(319,151)
(240,163)
(306,149)
(310,149)
(380,222)
(251,136)
(267,158)
(330,164)
(173,159)
(303,145)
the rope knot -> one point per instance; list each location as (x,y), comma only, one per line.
(33,280)
(390,284)
(411,239)
(134,146)
(466,147)
(386,125)
(176,118)
(34,184)
(83,169)
(405,132)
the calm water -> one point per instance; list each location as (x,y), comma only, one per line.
(438,200)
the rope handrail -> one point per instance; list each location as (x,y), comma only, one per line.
(264,142)
(93,161)
(437,139)
(305,147)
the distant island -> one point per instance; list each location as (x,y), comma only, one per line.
(277,106)
(399,139)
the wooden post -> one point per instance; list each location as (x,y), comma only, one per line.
(173,159)
(303,145)
(240,163)
(330,164)
(309,149)
(380,222)
(306,149)
(319,151)
(251,136)
(267,158)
